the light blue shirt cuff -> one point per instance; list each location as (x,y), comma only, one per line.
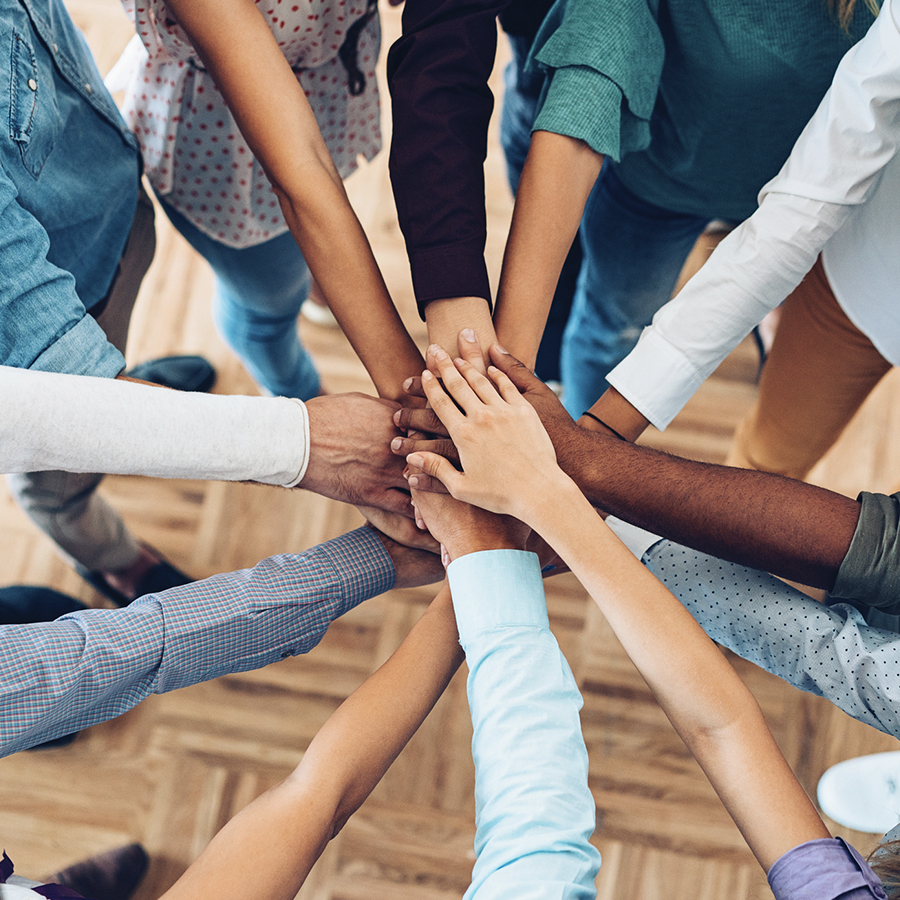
(497,588)
(82,350)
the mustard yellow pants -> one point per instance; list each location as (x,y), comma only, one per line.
(820,369)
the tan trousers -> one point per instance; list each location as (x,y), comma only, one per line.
(65,505)
(819,371)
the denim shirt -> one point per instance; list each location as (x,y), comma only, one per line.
(69,172)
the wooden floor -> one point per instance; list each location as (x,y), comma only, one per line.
(172,771)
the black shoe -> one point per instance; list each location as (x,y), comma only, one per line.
(182,373)
(159,577)
(113,875)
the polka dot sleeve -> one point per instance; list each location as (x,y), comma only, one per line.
(829,651)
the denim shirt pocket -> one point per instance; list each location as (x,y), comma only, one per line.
(33,110)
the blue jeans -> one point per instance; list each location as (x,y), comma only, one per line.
(633,254)
(259,291)
(520,97)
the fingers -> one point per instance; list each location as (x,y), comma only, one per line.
(427,484)
(420,420)
(469,348)
(518,373)
(413,387)
(444,447)
(439,398)
(396,500)
(437,467)
(508,391)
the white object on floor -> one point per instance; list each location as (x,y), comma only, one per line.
(318,314)
(863,793)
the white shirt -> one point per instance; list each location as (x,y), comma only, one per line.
(843,180)
(76,423)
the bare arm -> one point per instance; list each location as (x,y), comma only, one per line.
(509,467)
(792,529)
(236,45)
(285,830)
(559,174)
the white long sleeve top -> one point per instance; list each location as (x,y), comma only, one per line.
(81,424)
(838,191)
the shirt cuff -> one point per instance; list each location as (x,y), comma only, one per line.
(82,350)
(495,589)
(827,867)
(582,103)
(656,379)
(449,271)
(635,539)
(870,573)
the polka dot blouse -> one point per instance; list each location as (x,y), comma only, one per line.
(194,154)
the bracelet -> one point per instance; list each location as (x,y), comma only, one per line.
(590,415)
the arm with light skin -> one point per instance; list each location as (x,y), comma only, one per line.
(284,831)
(509,467)
(786,527)
(557,179)
(262,92)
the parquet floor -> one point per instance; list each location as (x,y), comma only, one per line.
(170,772)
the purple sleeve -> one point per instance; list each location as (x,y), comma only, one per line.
(438,75)
(825,869)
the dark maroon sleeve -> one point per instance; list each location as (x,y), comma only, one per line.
(438,73)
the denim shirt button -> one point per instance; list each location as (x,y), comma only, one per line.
(55,48)
(32,84)
(89,89)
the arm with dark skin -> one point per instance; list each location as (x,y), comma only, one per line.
(789,528)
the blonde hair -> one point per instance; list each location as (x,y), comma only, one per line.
(843,10)
(885,862)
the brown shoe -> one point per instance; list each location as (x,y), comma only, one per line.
(113,875)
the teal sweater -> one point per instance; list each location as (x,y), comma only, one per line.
(699,102)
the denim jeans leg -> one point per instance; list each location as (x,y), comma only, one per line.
(633,254)
(258,295)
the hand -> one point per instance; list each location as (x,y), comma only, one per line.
(507,457)
(413,567)
(462,528)
(350,457)
(401,529)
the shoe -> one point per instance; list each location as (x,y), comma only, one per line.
(113,875)
(318,314)
(181,373)
(159,577)
(863,793)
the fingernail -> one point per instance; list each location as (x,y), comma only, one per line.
(501,349)
(396,416)
(427,376)
(413,481)
(438,352)
(415,460)
(407,384)
(468,335)
(396,443)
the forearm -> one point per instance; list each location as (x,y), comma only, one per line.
(285,830)
(557,179)
(792,529)
(269,105)
(339,256)
(50,421)
(447,317)
(704,698)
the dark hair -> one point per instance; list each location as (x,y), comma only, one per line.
(843,10)
(885,862)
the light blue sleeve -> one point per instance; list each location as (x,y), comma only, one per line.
(534,810)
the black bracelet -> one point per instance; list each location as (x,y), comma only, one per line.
(590,415)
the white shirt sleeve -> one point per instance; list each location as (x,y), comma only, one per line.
(81,424)
(835,165)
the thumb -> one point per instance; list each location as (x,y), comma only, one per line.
(437,467)
(518,373)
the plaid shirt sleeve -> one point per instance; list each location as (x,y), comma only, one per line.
(87,667)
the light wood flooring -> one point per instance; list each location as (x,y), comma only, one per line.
(172,771)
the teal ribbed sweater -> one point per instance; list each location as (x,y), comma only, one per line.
(699,102)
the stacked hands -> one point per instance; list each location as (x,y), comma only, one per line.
(481,467)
